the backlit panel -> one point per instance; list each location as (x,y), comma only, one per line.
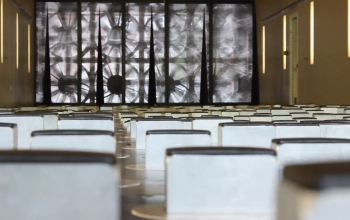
(185,51)
(111,28)
(231,48)
(232,52)
(138,30)
(63,50)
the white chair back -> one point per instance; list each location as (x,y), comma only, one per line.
(282,117)
(74,140)
(311,150)
(186,123)
(279,111)
(86,122)
(247,112)
(300,115)
(8,136)
(324,116)
(294,130)
(210,124)
(158,141)
(58,185)
(145,124)
(257,134)
(260,118)
(26,124)
(229,113)
(335,130)
(333,110)
(323,187)
(198,184)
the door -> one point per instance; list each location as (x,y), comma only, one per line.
(293,72)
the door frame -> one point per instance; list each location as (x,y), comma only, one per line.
(290,69)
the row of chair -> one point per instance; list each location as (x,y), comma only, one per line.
(225,182)
(71,172)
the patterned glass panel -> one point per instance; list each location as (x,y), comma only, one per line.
(111,32)
(232,52)
(185,51)
(138,26)
(63,50)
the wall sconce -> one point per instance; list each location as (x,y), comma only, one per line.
(2,31)
(17,42)
(284,41)
(312,33)
(263,50)
(348,28)
(28,48)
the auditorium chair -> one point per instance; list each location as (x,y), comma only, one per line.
(260,118)
(242,117)
(26,124)
(148,114)
(8,136)
(295,110)
(333,109)
(297,130)
(282,117)
(97,113)
(126,125)
(106,108)
(315,192)
(211,124)
(217,183)
(186,123)
(284,121)
(229,113)
(335,129)
(90,122)
(50,118)
(127,114)
(50,121)
(263,110)
(247,112)
(310,150)
(142,125)
(58,185)
(133,126)
(312,112)
(158,141)
(341,115)
(301,119)
(299,115)
(309,108)
(179,114)
(256,134)
(279,111)
(74,140)
(324,116)
(198,114)
(127,118)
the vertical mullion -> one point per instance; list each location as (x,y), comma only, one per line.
(123,49)
(211,74)
(166,55)
(79,58)
(141,56)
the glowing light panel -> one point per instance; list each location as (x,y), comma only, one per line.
(312,33)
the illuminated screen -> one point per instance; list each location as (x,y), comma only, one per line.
(125,33)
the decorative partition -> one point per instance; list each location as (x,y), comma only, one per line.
(125,38)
